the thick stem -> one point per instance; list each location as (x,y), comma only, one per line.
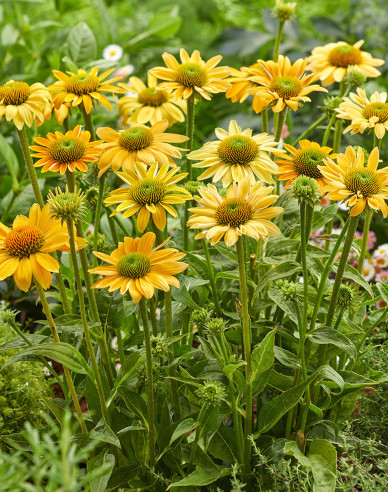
(212,280)
(264,121)
(278,135)
(377,141)
(277,40)
(70,178)
(113,230)
(89,344)
(69,380)
(309,130)
(97,217)
(120,345)
(150,386)
(88,122)
(246,334)
(153,317)
(189,169)
(328,129)
(365,233)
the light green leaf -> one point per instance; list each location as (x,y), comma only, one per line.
(326,335)
(10,159)
(263,356)
(182,429)
(81,44)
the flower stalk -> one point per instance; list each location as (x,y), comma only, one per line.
(212,280)
(189,169)
(365,233)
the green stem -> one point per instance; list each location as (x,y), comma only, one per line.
(328,129)
(113,230)
(120,345)
(88,122)
(150,386)
(70,178)
(277,40)
(264,121)
(309,130)
(153,317)
(189,169)
(66,125)
(278,134)
(236,422)
(50,320)
(196,438)
(73,251)
(377,141)
(246,334)
(339,122)
(119,223)
(365,233)
(97,217)
(212,280)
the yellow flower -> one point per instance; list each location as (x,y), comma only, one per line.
(24,248)
(151,193)
(138,143)
(244,211)
(83,87)
(21,103)
(237,154)
(365,113)
(192,76)
(303,161)
(70,151)
(148,104)
(136,268)
(284,84)
(60,114)
(331,62)
(360,186)
(242,82)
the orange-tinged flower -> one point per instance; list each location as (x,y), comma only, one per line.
(83,87)
(151,193)
(70,151)
(138,268)
(192,75)
(138,143)
(303,161)
(331,62)
(245,210)
(22,103)
(241,83)
(284,84)
(360,186)
(25,248)
(148,104)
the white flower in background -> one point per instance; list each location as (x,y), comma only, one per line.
(343,207)
(124,72)
(112,52)
(157,314)
(114,343)
(368,270)
(381,255)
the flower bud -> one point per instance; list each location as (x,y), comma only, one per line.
(211,393)
(284,10)
(8,316)
(216,326)
(193,186)
(201,317)
(67,205)
(330,104)
(305,189)
(91,196)
(354,77)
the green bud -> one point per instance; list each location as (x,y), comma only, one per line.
(8,316)
(102,245)
(330,104)
(201,317)
(67,204)
(305,189)
(157,375)
(288,290)
(159,346)
(211,393)
(284,10)
(193,186)
(354,77)
(216,326)
(91,196)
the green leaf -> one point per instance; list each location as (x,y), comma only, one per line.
(230,368)
(19,342)
(102,466)
(287,358)
(60,352)
(182,295)
(321,461)
(223,444)
(224,250)
(102,432)
(383,290)
(263,356)
(323,216)
(128,367)
(134,402)
(326,335)
(10,159)
(81,44)
(285,269)
(201,477)
(352,274)
(182,429)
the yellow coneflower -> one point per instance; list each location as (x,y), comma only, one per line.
(150,193)
(365,113)
(241,83)
(147,104)
(303,161)
(24,248)
(139,269)
(138,143)
(192,75)
(237,154)
(70,151)
(284,84)
(83,87)
(331,62)
(22,103)
(244,211)
(60,113)
(360,186)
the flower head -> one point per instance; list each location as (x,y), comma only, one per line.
(22,103)
(150,194)
(380,255)
(83,87)
(192,75)
(305,189)
(148,104)
(112,52)
(71,151)
(67,205)
(211,393)
(241,83)
(364,113)
(236,154)
(284,10)
(136,268)
(244,211)
(303,161)
(25,248)
(138,143)
(347,298)
(360,186)
(332,61)
(284,84)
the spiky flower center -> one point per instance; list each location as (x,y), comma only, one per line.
(364,181)
(148,191)
(345,55)
(14,93)
(306,162)
(24,241)
(345,296)
(378,109)
(191,75)
(152,97)
(135,138)
(286,87)
(238,149)
(82,84)
(134,265)
(234,212)
(67,149)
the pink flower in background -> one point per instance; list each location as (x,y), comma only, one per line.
(124,71)
(324,201)
(382,276)
(381,304)
(371,238)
